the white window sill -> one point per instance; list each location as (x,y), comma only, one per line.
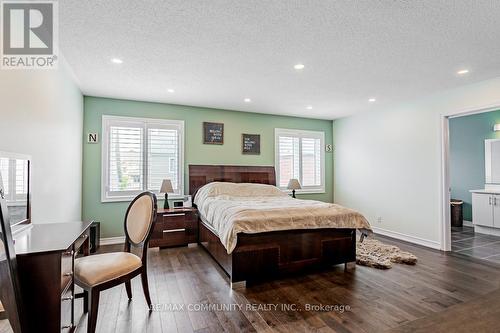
(159,197)
(306,191)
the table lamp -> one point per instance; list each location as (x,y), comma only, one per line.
(293,185)
(166,186)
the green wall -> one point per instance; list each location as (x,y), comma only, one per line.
(467,135)
(235,123)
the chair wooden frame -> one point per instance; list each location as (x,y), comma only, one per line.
(91,294)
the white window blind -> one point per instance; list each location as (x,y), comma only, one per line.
(126,158)
(288,159)
(162,149)
(138,154)
(300,155)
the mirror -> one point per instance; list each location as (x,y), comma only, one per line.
(15,187)
(492,161)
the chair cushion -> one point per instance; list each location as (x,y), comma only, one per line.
(96,269)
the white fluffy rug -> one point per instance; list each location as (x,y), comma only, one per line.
(374,253)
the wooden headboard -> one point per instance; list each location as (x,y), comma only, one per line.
(200,175)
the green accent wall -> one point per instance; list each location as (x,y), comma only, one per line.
(467,135)
(111,214)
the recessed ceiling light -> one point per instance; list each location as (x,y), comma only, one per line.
(116,60)
(299,66)
(247,100)
(371,100)
(171,90)
(463,72)
(309,107)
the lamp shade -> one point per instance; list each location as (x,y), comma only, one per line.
(166,186)
(496,127)
(294,184)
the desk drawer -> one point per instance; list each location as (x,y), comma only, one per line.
(67,311)
(66,268)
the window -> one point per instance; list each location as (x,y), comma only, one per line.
(138,154)
(300,154)
(14,174)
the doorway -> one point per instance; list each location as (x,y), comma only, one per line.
(468,195)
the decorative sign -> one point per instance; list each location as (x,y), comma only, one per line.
(328,148)
(92,138)
(250,144)
(213,133)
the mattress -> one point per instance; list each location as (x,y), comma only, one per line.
(230,208)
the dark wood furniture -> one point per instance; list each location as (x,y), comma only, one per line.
(95,236)
(135,242)
(200,175)
(274,254)
(269,254)
(175,227)
(45,259)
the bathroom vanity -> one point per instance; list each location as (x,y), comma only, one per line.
(486,202)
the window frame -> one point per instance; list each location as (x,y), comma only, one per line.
(296,133)
(107,121)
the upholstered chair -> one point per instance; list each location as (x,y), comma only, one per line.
(103,271)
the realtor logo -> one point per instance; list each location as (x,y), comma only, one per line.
(29,34)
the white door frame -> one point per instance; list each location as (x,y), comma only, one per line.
(445,230)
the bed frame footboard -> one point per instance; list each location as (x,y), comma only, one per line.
(268,255)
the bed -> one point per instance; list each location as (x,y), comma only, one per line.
(256,232)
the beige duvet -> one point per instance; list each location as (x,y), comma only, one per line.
(252,208)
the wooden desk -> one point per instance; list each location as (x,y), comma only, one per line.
(45,259)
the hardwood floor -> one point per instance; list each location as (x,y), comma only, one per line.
(480,315)
(442,289)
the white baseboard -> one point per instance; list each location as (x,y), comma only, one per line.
(408,238)
(486,230)
(468,223)
(112,240)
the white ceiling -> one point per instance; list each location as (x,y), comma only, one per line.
(215,53)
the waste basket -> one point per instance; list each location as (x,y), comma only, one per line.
(457,217)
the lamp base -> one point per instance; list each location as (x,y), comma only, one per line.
(165,205)
(293,194)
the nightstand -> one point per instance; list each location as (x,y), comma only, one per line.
(175,227)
